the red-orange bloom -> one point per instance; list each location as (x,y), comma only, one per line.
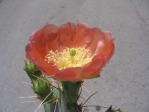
(70,52)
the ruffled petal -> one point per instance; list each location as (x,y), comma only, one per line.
(31,53)
(51,38)
(93,68)
(40,39)
(38,48)
(98,37)
(49,68)
(71,35)
(106,47)
(66,35)
(83,36)
(66,75)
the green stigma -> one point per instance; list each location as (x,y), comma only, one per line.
(72,52)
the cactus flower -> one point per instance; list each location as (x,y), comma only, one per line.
(71,52)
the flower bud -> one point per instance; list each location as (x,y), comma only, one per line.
(31,70)
(42,88)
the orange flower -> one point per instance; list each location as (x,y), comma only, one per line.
(70,52)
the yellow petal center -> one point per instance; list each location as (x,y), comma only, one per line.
(73,57)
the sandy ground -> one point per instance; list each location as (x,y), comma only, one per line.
(124,82)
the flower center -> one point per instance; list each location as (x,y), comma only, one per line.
(73,57)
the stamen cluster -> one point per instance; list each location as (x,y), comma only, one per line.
(70,57)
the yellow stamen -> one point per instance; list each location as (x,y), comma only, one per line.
(73,57)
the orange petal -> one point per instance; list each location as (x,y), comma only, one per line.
(66,34)
(39,39)
(107,47)
(30,53)
(65,75)
(51,38)
(37,49)
(45,67)
(71,35)
(98,37)
(83,36)
(93,68)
